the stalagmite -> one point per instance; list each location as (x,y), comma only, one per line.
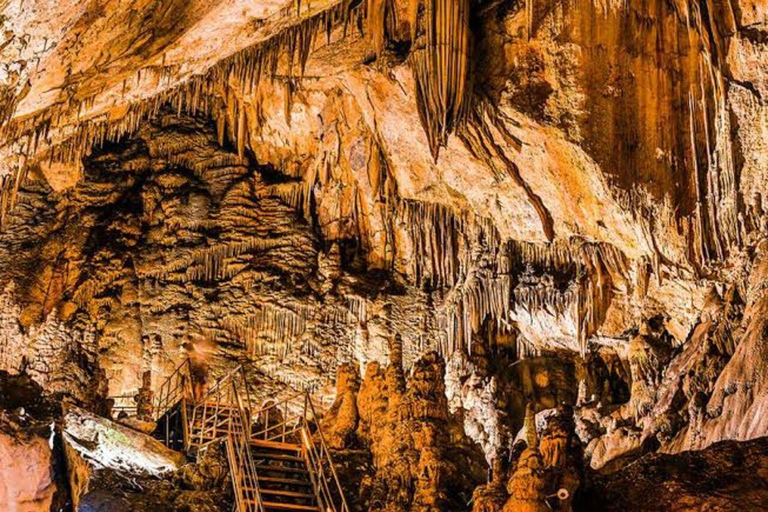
(341,421)
(9,190)
(526,486)
(531,432)
(554,443)
(649,352)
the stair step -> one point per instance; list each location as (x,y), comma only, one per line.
(277,456)
(213,406)
(287,494)
(211,413)
(217,420)
(285,481)
(276,445)
(288,506)
(285,469)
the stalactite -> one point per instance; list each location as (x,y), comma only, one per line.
(441,69)
(528,19)
(241,130)
(604,267)
(467,308)
(643,277)
(102,279)
(440,252)
(214,164)
(199,95)
(9,191)
(357,307)
(446,244)
(413,17)
(375,24)
(5,196)
(271,330)
(212,263)
(291,193)
(8,102)
(559,256)
(288,94)
(548,298)
(525,349)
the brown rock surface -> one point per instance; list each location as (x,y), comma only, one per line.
(416,450)
(476,204)
(341,421)
(31,478)
(725,477)
(26,472)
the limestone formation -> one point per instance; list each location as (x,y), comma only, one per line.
(108,445)
(439,222)
(28,483)
(415,449)
(527,485)
(341,421)
(144,398)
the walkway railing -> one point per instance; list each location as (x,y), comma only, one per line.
(245,480)
(322,470)
(294,420)
(220,413)
(280,421)
(226,413)
(123,404)
(177,387)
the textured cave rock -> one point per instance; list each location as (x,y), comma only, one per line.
(32,475)
(417,446)
(105,444)
(112,467)
(509,248)
(726,476)
(27,472)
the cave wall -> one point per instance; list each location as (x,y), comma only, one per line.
(608,176)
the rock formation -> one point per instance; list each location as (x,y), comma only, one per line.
(445,221)
(27,469)
(417,451)
(342,419)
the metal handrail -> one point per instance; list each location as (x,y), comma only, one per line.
(124,403)
(176,387)
(324,456)
(288,424)
(179,384)
(238,430)
(224,380)
(176,397)
(241,462)
(221,397)
(322,471)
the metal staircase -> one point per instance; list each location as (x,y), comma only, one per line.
(284,482)
(171,406)
(277,456)
(291,452)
